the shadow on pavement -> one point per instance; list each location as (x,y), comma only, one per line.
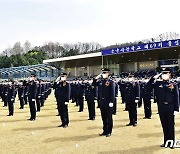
(34,128)
(73,138)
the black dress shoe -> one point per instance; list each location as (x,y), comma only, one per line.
(32,119)
(102,134)
(57,115)
(108,135)
(9,115)
(61,125)
(162,145)
(80,111)
(171,147)
(29,119)
(149,117)
(134,125)
(114,113)
(65,126)
(129,124)
(91,119)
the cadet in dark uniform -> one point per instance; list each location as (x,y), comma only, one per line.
(73,89)
(11,98)
(64,92)
(5,93)
(167,96)
(106,92)
(115,99)
(32,97)
(21,95)
(25,92)
(146,93)
(132,96)
(90,92)
(122,87)
(56,92)
(2,92)
(38,97)
(80,91)
(42,99)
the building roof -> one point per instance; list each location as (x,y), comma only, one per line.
(91,55)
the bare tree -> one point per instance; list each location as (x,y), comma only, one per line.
(26,46)
(17,49)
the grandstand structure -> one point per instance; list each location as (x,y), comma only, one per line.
(43,71)
(147,56)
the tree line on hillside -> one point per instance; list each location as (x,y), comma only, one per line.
(54,49)
(20,55)
(25,59)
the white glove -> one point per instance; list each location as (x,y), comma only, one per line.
(110,104)
(136,101)
(6,94)
(97,77)
(57,79)
(66,103)
(176,112)
(39,96)
(12,99)
(33,100)
(22,96)
(157,76)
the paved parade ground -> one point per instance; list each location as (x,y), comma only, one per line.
(17,135)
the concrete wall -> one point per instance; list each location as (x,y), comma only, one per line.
(128,67)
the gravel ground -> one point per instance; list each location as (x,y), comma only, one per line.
(17,135)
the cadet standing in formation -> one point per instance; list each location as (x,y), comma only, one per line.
(146,95)
(90,95)
(32,91)
(21,95)
(63,95)
(11,98)
(32,97)
(80,95)
(161,88)
(167,95)
(106,100)
(132,96)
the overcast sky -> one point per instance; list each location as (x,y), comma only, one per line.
(104,21)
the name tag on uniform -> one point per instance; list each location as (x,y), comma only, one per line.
(160,86)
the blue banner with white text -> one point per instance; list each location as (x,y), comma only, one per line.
(142,47)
